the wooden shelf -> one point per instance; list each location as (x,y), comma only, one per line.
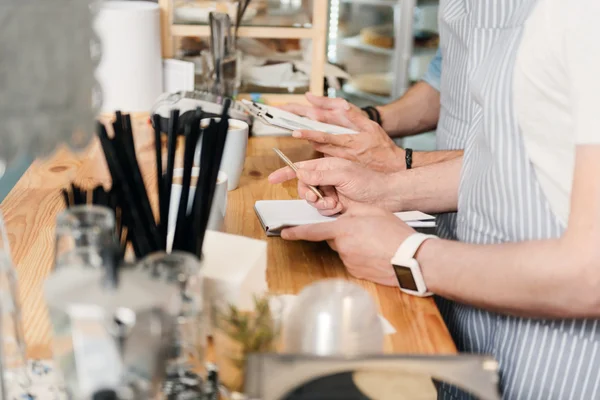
(389,3)
(247,31)
(276,99)
(317,33)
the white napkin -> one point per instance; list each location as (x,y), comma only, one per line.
(235,268)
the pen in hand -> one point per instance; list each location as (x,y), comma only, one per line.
(293,166)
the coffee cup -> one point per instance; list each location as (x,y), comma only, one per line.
(216,218)
(234,153)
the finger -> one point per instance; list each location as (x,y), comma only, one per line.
(282,175)
(328,103)
(329,212)
(333,177)
(286,173)
(328,202)
(331,244)
(326,212)
(310,196)
(314,232)
(299,109)
(332,151)
(321,137)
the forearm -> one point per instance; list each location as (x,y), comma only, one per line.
(416,112)
(423,158)
(534,279)
(432,189)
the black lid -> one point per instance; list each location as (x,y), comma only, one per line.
(105,394)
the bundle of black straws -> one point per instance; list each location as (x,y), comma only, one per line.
(75,195)
(146,234)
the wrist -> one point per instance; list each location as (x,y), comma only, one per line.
(373,114)
(407,268)
(386,118)
(390,200)
(396,161)
(424,256)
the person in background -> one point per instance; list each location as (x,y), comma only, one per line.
(523,282)
(417,111)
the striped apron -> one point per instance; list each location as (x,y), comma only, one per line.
(500,200)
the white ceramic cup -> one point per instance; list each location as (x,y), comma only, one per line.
(217,211)
(234,153)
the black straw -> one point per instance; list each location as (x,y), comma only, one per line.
(192,131)
(136,182)
(168,179)
(65,197)
(125,191)
(158,158)
(221,136)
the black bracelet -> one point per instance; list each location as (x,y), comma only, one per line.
(408,158)
(373,114)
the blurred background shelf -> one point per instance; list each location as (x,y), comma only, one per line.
(285,20)
(179,30)
(370,98)
(356,42)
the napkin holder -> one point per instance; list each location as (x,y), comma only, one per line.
(235,270)
(110,338)
(475,374)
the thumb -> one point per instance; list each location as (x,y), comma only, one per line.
(327,103)
(323,177)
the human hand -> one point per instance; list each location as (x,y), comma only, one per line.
(371,147)
(335,111)
(366,240)
(344,184)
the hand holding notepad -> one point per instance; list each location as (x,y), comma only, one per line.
(275,215)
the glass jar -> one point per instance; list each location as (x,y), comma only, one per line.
(185,271)
(85,237)
(13,364)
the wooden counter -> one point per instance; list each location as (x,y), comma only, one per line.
(31,207)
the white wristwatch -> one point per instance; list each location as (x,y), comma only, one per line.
(408,270)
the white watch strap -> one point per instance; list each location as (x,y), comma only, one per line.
(411,244)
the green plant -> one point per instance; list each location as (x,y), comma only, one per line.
(254,331)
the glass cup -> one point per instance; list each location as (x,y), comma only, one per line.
(237,333)
(85,237)
(184,270)
(230,72)
(13,363)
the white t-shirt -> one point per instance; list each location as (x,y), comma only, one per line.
(557,91)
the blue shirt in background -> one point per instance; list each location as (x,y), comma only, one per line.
(434,71)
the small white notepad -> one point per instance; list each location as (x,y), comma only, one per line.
(274,215)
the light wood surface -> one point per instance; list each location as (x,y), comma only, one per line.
(31,207)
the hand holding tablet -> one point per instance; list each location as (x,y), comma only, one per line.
(287,120)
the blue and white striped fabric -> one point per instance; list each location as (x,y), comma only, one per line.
(500,201)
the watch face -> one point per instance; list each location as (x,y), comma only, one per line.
(405,277)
